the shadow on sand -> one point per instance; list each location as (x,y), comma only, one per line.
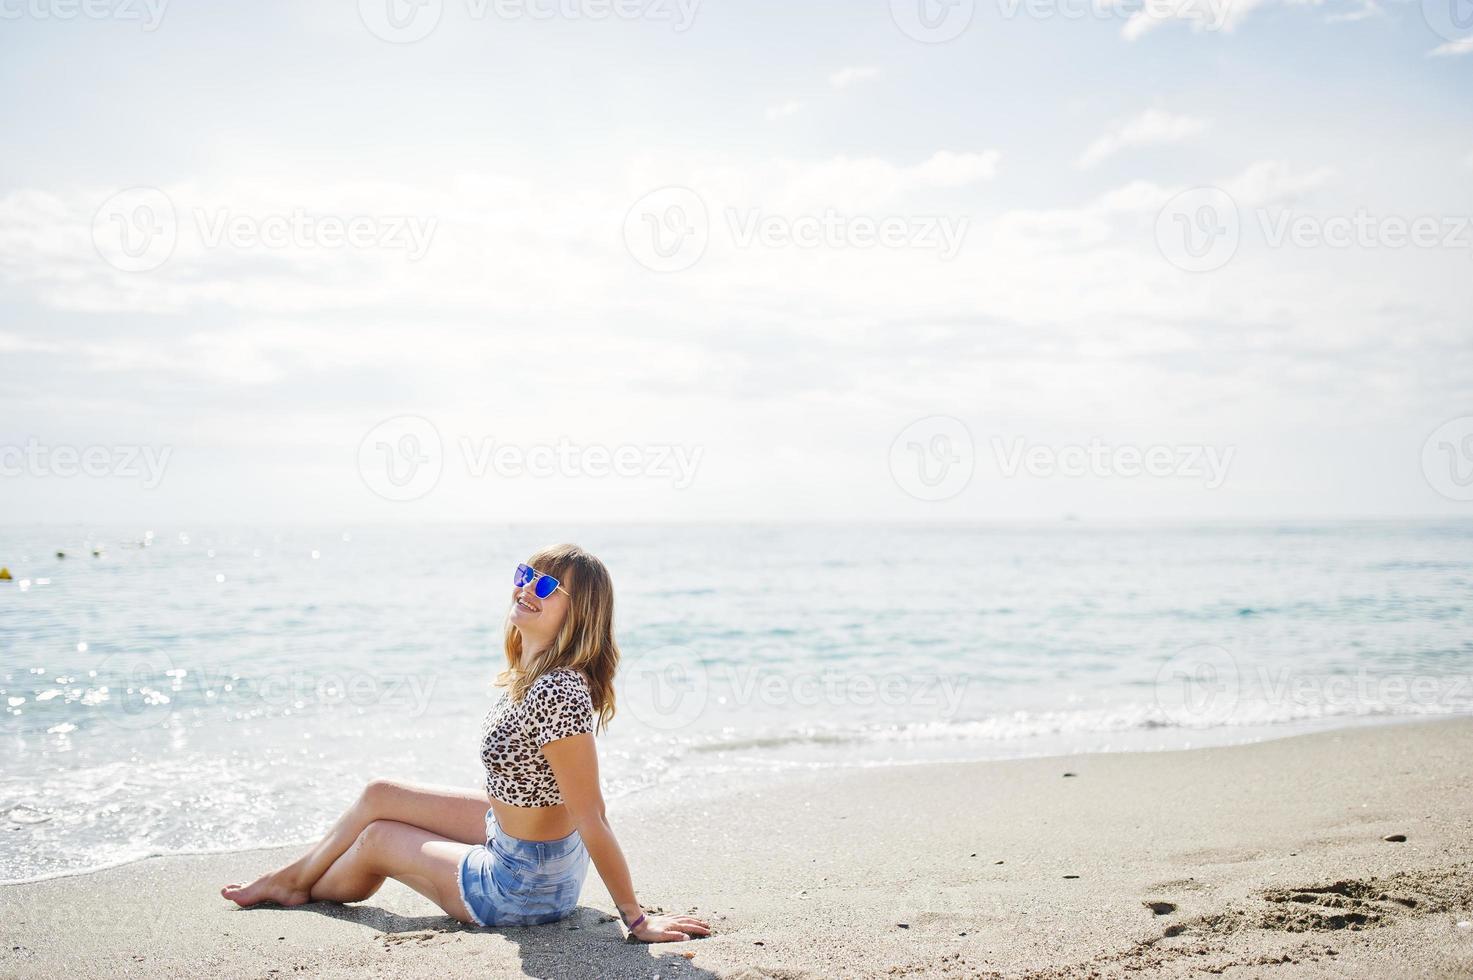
(589,943)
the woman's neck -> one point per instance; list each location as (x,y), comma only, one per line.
(531,651)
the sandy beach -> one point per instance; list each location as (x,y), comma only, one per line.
(1269,859)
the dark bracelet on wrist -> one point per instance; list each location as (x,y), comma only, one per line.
(631,926)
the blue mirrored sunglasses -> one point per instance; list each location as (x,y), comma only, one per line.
(544,584)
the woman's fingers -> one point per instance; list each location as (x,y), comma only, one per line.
(675,929)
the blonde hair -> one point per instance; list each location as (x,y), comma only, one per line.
(585,642)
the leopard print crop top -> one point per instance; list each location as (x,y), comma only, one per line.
(556,706)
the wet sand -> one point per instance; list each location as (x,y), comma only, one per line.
(1266,860)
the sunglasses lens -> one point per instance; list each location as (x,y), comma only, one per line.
(545,586)
(522,577)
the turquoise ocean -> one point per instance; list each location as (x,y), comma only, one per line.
(194,689)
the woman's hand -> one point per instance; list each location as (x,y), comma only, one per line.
(669,928)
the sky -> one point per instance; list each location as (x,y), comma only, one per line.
(699,260)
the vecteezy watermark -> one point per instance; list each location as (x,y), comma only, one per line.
(407,21)
(402,692)
(676,463)
(1204,686)
(671,687)
(1449,19)
(138,691)
(939,232)
(1203,15)
(669,229)
(137,230)
(933,458)
(932,21)
(148,14)
(664,687)
(132,462)
(1209,464)
(1198,687)
(1200,230)
(1447,458)
(402,459)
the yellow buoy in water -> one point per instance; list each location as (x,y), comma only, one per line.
(4,575)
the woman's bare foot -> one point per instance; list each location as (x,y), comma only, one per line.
(267,888)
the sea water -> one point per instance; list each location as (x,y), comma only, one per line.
(171,689)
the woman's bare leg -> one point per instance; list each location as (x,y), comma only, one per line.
(451,815)
(390,849)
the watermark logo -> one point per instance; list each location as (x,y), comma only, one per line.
(932,21)
(666,688)
(400,21)
(1361,229)
(401,458)
(1449,19)
(37,459)
(1203,15)
(1447,459)
(668,229)
(933,458)
(407,21)
(134,691)
(301,229)
(149,14)
(1199,230)
(1200,462)
(675,463)
(941,233)
(1199,687)
(136,230)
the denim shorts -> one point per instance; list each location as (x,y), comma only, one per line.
(515,882)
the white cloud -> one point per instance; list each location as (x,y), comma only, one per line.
(1453,49)
(947,169)
(1223,16)
(1061,307)
(845,77)
(1204,16)
(784,109)
(1150,127)
(1369,8)
(1274,182)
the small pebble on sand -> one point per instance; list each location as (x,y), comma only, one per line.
(1395,838)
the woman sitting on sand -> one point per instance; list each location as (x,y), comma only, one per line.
(523,861)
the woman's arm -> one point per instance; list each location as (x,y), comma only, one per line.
(574,762)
